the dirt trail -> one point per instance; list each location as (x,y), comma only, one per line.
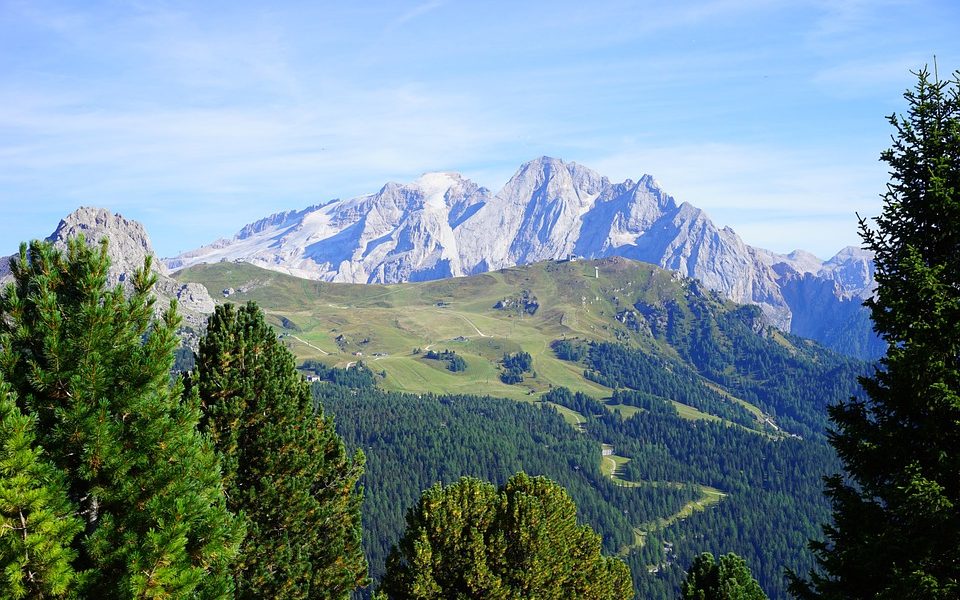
(320,350)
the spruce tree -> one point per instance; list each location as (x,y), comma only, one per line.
(284,466)
(37,521)
(92,366)
(896,515)
(726,579)
(471,540)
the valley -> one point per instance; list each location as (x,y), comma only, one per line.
(716,418)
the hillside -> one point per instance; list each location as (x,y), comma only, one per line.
(715,422)
(481,318)
(443,225)
(332,323)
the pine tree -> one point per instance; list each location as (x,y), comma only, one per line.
(92,366)
(284,466)
(471,540)
(726,579)
(37,521)
(896,517)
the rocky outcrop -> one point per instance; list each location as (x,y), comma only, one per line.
(129,243)
(129,246)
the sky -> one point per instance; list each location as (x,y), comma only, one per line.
(196,118)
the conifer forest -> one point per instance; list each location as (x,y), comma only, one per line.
(674,446)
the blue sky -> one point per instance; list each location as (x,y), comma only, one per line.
(198,117)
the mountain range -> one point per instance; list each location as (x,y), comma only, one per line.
(704,404)
(443,225)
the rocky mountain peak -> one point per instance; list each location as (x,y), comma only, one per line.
(128,247)
(442,225)
(853,270)
(437,188)
(275,220)
(129,243)
(548,179)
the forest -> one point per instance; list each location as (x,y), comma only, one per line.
(729,460)
(772,485)
(659,488)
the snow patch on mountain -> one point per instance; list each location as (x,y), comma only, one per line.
(443,225)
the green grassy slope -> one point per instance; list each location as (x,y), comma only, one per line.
(383,325)
(717,402)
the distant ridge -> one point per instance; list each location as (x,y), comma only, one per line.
(443,225)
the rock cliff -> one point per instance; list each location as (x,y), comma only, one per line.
(129,246)
(443,225)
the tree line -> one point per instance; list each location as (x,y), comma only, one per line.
(120,480)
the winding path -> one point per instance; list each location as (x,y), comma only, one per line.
(320,350)
(708,497)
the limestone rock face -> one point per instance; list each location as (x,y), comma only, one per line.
(401,233)
(129,243)
(443,225)
(128,248)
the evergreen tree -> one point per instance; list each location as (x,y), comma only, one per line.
(92,366)
(896,518)
(728,579)
(37,521)
(284,466)
(470,540)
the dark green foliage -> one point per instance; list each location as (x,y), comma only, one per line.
(571,350)
(726,579)
(284,466)
(729,345)
(580,402)
(648,402)
(37,521)
(519,361)
(773,485)
(896,515)
(773,497)
(93,368)
(412,442)
(617,365)
(454,363)
(471,540)
(511,377)
(514,366)
(793,388)
(357,376)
